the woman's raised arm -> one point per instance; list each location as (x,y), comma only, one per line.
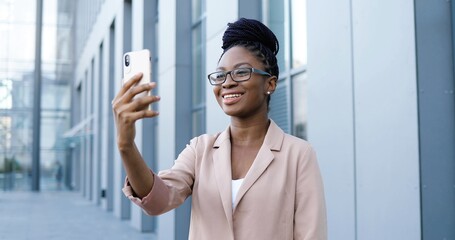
(127,110)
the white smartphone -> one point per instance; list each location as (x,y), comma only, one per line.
(135,62)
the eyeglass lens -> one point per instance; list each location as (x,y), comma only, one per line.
(241,74)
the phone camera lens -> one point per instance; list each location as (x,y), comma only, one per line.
(127,60)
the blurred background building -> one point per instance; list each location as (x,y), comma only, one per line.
(369,84)
(17,59)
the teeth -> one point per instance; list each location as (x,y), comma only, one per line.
(232,95)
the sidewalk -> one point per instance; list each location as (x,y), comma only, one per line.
(59,215)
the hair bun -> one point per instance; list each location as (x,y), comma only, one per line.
(250,30)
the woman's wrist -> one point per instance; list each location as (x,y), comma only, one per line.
(125,146)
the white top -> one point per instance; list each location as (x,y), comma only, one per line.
(235,189)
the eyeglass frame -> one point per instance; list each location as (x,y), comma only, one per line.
(252,70)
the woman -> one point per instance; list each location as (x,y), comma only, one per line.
(251,181)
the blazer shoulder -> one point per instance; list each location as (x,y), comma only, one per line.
(291,139)
(205,140)
(293,142)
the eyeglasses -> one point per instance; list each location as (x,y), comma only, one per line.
(238,75)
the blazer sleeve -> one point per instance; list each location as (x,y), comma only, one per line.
(310,211)
(171,187)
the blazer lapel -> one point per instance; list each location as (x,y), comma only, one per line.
(222,167)
(260,164)
(272,142)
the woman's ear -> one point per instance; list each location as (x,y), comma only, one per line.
(271,84)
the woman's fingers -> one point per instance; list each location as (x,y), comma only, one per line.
(133,91)
(128,84)
(142,103)
(147,100)
(127,95)
(123,107)
(133,80)
(138,104)
(131,117)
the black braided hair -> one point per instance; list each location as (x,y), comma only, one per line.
(256,37)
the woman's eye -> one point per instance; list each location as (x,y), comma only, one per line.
(241,72)
(220,76)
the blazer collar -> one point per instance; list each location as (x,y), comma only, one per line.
(222,165)
(273,139)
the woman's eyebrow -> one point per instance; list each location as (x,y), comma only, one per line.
(241,64)
(235,66)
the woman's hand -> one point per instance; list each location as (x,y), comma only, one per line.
(128,109)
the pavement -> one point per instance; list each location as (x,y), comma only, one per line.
(62,215)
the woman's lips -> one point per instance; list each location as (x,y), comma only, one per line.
(231,98)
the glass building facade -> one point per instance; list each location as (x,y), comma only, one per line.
(17,57)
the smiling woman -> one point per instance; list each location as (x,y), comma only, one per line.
(253,89)
(251,181)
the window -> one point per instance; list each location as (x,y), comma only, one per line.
(298,33)
(299,105)
(198,67)
(287,19)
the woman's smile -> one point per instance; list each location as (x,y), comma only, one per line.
(231,98)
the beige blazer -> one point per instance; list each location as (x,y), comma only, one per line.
(281,197)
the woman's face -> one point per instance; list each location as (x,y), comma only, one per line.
(247,98)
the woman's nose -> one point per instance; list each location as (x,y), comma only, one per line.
(229,82)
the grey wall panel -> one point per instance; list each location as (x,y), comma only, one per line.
(111,129)
(434,22)
(183,99)
(387,159)
(250,9)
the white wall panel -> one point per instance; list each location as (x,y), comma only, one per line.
(166,142)
(219,13)
(106,113)
(167,105)
(388,201)
(330,109)
(96,160)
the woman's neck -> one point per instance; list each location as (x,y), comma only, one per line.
(245,132)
